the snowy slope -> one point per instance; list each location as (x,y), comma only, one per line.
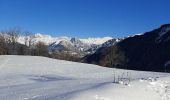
(137,90)
(40,78)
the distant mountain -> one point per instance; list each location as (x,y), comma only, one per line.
(47,39)
(73,46)
(148,51)
(62,45)
(108,43)
(67,45)
(76,46)
(96,41)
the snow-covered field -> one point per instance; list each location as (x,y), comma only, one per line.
(40,78)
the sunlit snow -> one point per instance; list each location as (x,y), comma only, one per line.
(41,78)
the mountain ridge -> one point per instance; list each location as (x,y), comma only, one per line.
(48,39)
(140,52)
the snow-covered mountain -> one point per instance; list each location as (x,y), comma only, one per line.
(108,43)
(74,44)
(96,41)
(62,45)
(47,39)
(68,44)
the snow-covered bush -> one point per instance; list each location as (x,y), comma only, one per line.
(124,79)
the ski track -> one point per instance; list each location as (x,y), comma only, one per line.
(4,63)
(162,88)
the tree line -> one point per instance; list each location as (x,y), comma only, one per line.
(9,43)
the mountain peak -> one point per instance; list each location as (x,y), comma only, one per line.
(75,40)
(164,29)
(64,42)
(39,35)
(96,41)
(165,26)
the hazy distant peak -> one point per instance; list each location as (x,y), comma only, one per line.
(97,41)
(47,39)
(39,35)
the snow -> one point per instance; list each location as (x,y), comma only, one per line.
(143,90)
(96,41)
(41,78)
(47,39)
(139,34)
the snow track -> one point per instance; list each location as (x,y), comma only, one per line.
(162,88)
(4,61)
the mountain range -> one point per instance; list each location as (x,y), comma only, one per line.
(148,51)
(71,46)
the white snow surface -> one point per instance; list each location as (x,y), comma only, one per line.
(41,78)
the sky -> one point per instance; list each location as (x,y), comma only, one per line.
(84,18)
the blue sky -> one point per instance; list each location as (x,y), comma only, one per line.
(84,18)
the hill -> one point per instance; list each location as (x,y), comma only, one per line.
(148,51)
